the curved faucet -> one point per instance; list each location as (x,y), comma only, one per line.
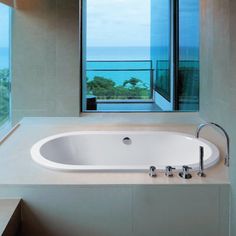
(200,127)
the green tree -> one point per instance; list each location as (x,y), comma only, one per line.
(4,95)
(106,89)
(101,87)
(133,82)
(4,74)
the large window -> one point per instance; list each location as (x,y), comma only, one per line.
(140,55)
(4,64)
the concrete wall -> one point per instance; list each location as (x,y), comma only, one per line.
(218,74)
(45,58)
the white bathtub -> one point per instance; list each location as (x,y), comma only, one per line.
(108,151)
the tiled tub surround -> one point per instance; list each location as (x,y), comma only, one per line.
(62,203)
(127,210)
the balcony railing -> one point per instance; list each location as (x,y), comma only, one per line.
(119,81)
(133,81)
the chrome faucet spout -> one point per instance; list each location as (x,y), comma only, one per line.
(200,127)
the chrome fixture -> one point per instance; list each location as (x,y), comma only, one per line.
(127,141)
(185,172)
(152,171)
(169,171)
(200,127)
(201,163)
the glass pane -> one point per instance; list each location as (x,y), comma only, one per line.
(160,46)
(118,65)
(188,85)
(4,64)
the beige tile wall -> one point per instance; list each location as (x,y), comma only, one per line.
(218,74)
(45,58)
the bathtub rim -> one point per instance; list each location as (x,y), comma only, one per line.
(42,161)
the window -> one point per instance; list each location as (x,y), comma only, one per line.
(140,55)
(4,64)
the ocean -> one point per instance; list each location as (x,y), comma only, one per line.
(118,53)
(122,63)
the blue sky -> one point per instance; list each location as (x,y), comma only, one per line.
(127,23)
(4,25)
(118,23)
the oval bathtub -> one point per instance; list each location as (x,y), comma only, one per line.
(122,151)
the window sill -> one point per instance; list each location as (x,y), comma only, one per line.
(143,118)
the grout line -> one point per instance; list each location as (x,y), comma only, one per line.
(132,208)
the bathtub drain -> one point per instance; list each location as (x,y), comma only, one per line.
(127,141)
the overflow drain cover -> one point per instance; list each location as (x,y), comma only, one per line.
(127,141)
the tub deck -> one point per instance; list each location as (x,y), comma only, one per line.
(17,166)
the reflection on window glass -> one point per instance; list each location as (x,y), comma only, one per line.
(160,46)
(188,76)
(4,64)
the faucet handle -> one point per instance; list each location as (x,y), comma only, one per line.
(185,172)
(152,171)
(186,168)
(169,171)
